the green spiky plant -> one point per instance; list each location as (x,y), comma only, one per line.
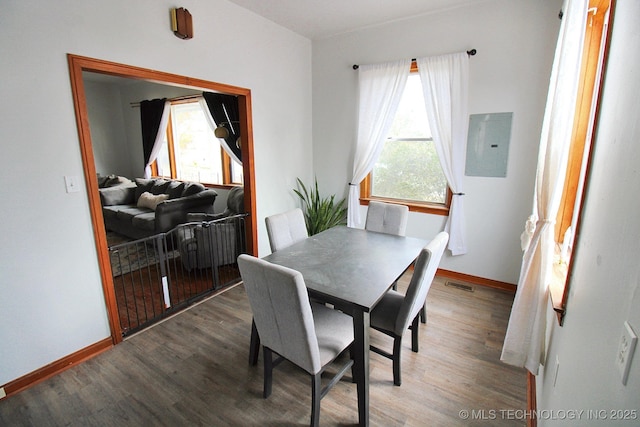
(320,213)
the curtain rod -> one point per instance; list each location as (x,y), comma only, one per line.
(469,52)
(177,98)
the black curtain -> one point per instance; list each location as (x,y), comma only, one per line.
(150,117)
(224,109)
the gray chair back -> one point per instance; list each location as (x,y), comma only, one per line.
(423,274)
(285,229)
(281,311)
(387,218)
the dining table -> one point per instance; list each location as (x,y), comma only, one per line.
(352,269)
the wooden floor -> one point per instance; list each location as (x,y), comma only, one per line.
(192,370)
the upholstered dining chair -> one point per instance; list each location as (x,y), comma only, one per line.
(285,229)
(387,218)
(396,312)
(391,219)
(309,335)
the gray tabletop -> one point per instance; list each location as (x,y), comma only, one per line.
(349,265)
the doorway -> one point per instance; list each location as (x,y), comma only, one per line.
(79,65)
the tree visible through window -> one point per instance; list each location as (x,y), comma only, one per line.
(191,152)
(408,169)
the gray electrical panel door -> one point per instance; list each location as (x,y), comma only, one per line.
(488,144)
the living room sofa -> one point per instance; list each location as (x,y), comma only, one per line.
(146,207)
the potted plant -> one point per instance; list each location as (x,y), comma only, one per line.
(320,213)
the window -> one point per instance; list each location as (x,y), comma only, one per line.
(408,170)
(567,220)
(191,152)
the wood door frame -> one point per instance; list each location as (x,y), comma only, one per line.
(78,64)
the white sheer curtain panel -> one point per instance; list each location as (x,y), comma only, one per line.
(380,87)
(213,126)
(445,82)
(157,145)
(524,343)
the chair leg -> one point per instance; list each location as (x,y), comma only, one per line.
(352,356)
(397,346)
(267,354)
(423,313)
(254,345)
(414,334)
(316,395)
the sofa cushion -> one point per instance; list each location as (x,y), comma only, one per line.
(174,189)
(191,188)
(119,195)
(127,213)
(110,212)
(150,201)
(145,221)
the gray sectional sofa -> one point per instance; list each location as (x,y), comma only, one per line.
(146,207)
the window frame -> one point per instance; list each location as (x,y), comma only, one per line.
(413,205)
(225,158)
(595,51)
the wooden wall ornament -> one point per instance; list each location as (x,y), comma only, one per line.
(181,23)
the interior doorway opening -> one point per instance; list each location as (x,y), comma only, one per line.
(79,65)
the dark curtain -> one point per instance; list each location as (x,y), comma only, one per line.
(150,117)
(224,108)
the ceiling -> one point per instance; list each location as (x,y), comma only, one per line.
(317,19)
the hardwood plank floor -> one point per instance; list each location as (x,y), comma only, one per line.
(192,369)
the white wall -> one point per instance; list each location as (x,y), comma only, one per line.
(108,135)
(515,41)
(51,300)
(605,289)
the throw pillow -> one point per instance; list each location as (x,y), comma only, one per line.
(150,201)
(102,180)
(174,190)
(191,188)
(159,186)
(143,185)
(112,181)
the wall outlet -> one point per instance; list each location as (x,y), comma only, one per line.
(625,351)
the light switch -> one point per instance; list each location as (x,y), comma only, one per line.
(72,183)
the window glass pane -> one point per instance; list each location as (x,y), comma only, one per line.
(197,150)
(408,167)
(409,170)
(411,118)
(237,175)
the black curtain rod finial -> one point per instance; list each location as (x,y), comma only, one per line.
(471,52)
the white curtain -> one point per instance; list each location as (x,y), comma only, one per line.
(381,87)
(445,81)
(157,145)
(524,343)
(213,126)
